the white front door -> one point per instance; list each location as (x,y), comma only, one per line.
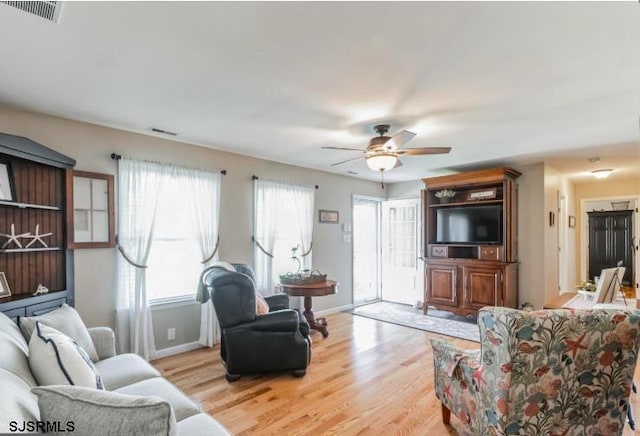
(401,280)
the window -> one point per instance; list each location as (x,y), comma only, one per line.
(283,219)
(402,236)
(174,264)
(287,236)
(167,228)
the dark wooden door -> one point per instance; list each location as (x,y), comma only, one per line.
(482,286)
(441,284)
(610,241)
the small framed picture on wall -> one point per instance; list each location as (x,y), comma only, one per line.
(4,286)
(572,221)
(7,190)
(328,216)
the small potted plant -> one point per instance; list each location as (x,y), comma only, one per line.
(445,195)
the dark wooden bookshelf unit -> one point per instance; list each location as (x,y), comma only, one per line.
(39,181)
(464,277)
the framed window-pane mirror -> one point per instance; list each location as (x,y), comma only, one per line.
(91,210)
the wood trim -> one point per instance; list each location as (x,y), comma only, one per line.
(494,175)
(70,174)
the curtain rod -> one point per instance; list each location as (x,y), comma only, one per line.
(254,177)
(115,156)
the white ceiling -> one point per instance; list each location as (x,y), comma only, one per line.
(507,82)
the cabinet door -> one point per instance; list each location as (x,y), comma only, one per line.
(621,244)
(482,286)
(441,284)
(599,244)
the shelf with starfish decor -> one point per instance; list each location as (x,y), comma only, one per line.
(33,243)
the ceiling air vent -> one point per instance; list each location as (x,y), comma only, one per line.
(44,9)
(163,132)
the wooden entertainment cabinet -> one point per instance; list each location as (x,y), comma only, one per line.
(463,277)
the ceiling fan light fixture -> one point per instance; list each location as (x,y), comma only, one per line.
(602,174)
(382,161)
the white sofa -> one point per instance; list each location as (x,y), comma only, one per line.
(125,373)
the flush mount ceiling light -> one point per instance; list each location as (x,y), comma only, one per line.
(602,174)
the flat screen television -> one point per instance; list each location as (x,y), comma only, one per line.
(469,225)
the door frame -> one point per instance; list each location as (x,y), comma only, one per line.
(584,233)
(379,200)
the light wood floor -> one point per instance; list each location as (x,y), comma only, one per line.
(368,377)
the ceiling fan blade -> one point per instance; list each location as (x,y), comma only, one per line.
(348,160)
(398,164)
(424,150)
(399,139)
(342,148)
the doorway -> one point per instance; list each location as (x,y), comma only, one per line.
(563,255)
(386,247)
(366,250)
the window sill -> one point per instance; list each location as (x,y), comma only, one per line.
(167,303)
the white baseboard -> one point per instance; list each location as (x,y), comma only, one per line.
(333,310)
(182,348)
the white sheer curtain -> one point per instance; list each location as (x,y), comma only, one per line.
(139,183)
(204,187)
(304,197)
(280,204)
(267,197)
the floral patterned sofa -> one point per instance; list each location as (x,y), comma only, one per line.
(548,372)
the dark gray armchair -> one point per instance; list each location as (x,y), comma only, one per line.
(276,341)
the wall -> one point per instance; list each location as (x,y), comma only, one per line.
(404,189)
(95,269)
(568,190)
(551,242)
(628,188)
(531,231)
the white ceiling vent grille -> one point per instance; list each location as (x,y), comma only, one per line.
(44,9)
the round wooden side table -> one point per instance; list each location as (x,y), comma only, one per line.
(308,291)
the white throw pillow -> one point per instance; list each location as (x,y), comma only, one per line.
(66,320)
(56,359)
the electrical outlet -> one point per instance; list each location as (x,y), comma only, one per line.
(171,334)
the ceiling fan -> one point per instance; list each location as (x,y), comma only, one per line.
(383,152)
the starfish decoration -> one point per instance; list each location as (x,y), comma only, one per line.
(13,237)
(573,346)
(37,237)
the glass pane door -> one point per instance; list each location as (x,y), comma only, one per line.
(400,238)
(366,249)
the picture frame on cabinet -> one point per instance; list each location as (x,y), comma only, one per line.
(7,187)
(5,291)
